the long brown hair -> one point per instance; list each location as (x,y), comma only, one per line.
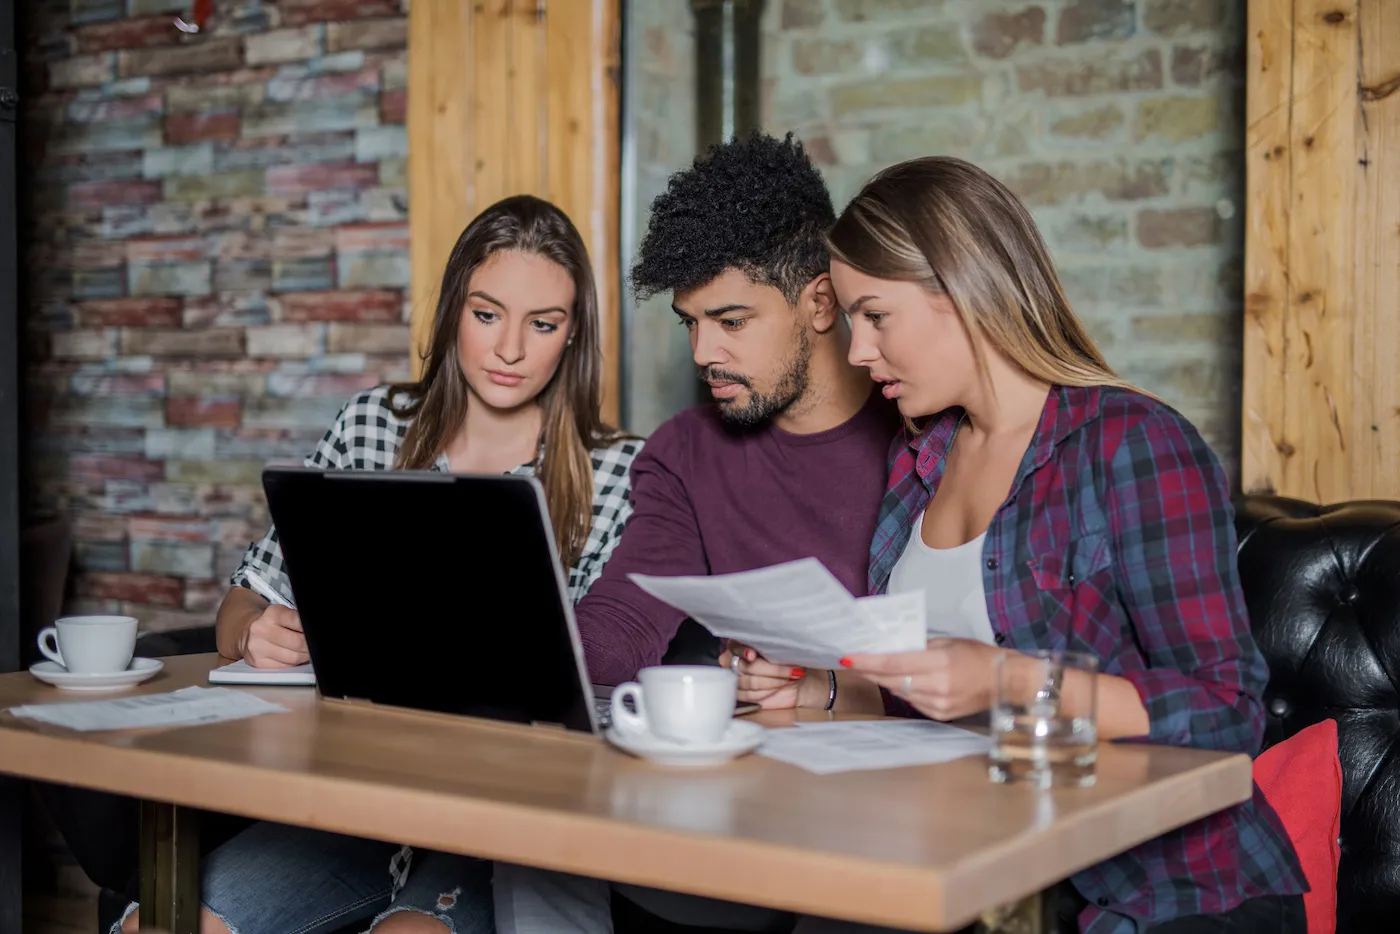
(572,425)
(951,227)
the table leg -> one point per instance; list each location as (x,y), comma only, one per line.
(169,868)
(1034,914)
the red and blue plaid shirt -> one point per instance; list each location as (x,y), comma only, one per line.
(1118,539)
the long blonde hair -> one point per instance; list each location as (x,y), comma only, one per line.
(951,227)
(572,425)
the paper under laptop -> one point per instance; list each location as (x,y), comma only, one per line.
(240,672)
(796,613)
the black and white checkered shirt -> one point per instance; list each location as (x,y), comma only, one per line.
(366,436)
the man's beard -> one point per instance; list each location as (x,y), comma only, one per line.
(762,407)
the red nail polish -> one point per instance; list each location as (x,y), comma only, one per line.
(750,655)
(845,663)
(798,673)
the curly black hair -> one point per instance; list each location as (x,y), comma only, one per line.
(756,204)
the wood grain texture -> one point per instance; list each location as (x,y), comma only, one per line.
(1322,323)
(1267,185)
(520,97)
(439,166)
(916,848)
(1321,300)
(1376,461)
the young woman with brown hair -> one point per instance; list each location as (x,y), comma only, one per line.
(509,385)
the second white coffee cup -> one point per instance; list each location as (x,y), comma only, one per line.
(679,703)
(90,645)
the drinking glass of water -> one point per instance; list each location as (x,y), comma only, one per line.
(1043,733)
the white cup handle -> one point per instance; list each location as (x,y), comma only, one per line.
(51,654)
(624,720)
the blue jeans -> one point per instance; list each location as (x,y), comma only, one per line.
(275,879)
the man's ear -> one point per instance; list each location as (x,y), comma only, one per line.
(818,303)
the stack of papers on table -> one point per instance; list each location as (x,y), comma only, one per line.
(796,613)
(178,708)
(856,745)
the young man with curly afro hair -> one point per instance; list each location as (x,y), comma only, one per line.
(789,462)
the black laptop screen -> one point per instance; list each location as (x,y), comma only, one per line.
(431,591)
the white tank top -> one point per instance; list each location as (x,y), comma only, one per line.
(951,578)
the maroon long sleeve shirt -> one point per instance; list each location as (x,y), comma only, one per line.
(708,499)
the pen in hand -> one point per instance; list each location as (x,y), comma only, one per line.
(265,590)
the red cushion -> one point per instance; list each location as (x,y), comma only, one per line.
(1301,778)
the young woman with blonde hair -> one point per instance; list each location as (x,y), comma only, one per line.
(1040,502)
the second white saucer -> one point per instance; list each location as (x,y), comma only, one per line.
(741,738)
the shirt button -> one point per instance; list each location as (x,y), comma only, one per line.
(1071,579)
(991,564)
(1000,638)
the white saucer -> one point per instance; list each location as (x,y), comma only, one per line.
(140,669)
(741,738)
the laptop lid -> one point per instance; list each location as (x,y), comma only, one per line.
(432,591)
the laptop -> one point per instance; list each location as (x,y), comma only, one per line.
(433,591)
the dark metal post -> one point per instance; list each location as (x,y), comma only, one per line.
(728,34)
(169,868)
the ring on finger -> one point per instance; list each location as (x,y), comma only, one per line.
(734,663)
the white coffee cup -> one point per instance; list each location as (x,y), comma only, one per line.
(90,645)
(679,703)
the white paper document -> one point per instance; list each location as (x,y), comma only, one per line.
(178,708)
(796,613)
(240,672)
(856,745)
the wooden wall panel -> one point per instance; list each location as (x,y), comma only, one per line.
(439,149)
(1267,174)
(509,97)
(1321,302)
(1374,466)
(1322,322)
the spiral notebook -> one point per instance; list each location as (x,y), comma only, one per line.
(240,672)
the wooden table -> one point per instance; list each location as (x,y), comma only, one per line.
(929,848)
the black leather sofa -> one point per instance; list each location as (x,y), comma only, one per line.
(1323,588)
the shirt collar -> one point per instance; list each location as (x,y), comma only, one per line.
(1066,410)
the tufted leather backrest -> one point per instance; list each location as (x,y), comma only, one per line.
(1323,588)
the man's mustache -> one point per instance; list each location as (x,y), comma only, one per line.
(710,374)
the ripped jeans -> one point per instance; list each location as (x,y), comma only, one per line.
(275,879)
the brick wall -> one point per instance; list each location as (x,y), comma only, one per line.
(1120,122)
(216,255)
